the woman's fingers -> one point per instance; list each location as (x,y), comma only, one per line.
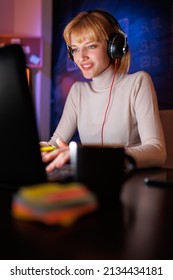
(61,159)
(46,157)
(58,157)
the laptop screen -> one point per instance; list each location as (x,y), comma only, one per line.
(20,160)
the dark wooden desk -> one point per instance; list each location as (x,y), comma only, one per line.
(137,226)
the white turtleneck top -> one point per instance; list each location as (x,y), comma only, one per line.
(132,119)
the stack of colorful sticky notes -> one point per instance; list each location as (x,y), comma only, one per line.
(53,203)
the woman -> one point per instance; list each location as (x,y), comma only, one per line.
(114,107)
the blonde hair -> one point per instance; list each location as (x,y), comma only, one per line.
(97,27)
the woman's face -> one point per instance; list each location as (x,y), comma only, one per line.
(91,57)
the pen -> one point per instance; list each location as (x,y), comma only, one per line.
(47,148)
(158,183)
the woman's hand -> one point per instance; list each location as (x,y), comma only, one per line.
(58,157)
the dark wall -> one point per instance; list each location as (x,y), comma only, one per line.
(149,26)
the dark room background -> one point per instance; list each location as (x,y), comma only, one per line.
(149,26)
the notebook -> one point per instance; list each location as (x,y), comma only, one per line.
(21,162)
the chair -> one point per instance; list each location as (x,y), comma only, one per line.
(166,117)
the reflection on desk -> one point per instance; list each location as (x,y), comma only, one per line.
(147,219)
(138,225)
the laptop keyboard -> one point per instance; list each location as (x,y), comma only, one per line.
(63,174)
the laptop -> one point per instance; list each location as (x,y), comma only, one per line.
(20,159)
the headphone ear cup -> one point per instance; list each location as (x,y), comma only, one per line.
(70,54)
(117,46)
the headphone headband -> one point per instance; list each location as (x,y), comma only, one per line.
(109,17)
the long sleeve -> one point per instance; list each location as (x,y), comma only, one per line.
(68,121)
(151,151)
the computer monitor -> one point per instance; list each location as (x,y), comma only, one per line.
(20,158)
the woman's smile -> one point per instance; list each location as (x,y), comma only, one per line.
(90,57)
